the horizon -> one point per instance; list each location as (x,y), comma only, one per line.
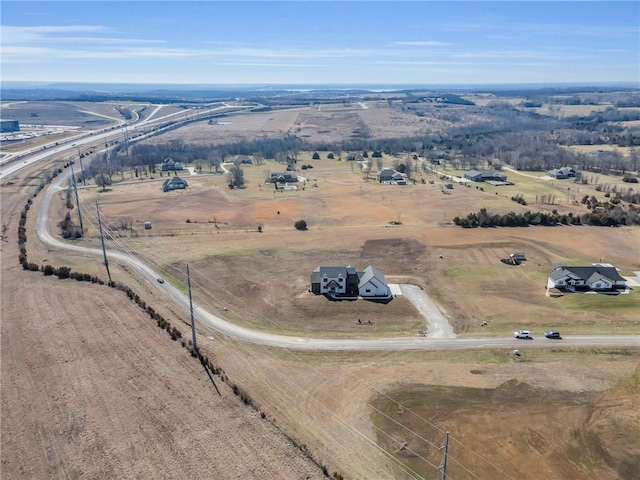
(354,43)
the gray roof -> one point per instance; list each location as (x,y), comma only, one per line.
(369,273)
(331,272)
(588,274)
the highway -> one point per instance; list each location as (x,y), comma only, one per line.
(98,138)
(221,325)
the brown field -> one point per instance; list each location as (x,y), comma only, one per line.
(62,113)
(577,399)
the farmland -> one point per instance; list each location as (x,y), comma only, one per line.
(251,266)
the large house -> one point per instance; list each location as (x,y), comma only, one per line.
(477,176)
(346,281)
(562,173)
(597,277)
(389,175)
(174,183)
(283,177)
(169,165)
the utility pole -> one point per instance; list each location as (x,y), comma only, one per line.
(193,320)
(84,182)
(75,189)
(104,251)
(443,465)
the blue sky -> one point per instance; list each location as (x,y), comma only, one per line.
(324,42)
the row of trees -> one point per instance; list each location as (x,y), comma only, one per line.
(612,216)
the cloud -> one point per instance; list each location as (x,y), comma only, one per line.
(422,43)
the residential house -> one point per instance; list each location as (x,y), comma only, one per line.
(477,176)
(598,277)
(174,183)
(339,282)
(389,175)
(283,177)
(170,165)
(355,157)
(562,173)
(242,160)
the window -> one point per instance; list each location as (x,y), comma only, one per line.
(368,290)
(325,279)
(340,280)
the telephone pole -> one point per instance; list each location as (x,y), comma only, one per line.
(443,465)
(104,251)
(75,189)
(193,320)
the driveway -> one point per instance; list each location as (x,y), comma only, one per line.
(439,326)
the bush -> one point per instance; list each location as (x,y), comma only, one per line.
(301,225)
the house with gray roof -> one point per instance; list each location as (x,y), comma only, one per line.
(174,183)
(596,277)
(168,165)
(562,173)
(478,176)
(283,177)
(347,282)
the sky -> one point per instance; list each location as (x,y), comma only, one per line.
(322,42)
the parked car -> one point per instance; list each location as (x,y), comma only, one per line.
(552,334)
(523,334)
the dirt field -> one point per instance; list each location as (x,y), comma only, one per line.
(91,387)
(343,406)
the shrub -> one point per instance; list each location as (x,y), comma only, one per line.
(301,225)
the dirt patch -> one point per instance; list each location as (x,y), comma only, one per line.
(576,438)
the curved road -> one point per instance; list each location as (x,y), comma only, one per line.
(304,343)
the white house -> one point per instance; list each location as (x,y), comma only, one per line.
(339,282)
(598,277)
(373,284)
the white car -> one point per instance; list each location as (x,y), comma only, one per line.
(522,334)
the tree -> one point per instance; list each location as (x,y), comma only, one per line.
(236,176)
(300,225)
(316,156)
(103,180)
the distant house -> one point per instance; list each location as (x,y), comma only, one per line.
(174,183)
(169,165)
(598,277)
(339,282)
(562,173)
(242,160)
(389,175)
(283,177)
(355,156)
(477,176)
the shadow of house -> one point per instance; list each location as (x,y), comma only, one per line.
(174,183)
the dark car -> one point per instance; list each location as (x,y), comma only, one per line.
(160,280)
(552,334)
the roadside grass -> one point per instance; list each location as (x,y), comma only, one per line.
(555,353)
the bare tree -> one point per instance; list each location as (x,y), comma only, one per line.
(236,176)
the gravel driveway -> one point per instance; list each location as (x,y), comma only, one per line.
(439,326)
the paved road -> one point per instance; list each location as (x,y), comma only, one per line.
(439,326)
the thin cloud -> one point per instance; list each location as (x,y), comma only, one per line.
(422,43)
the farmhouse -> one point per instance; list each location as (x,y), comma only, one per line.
(242,160)
(282,177)
(597,277)
(562,173)
(389,175)
(355,156)
(174,183)
(170,165)
(477,176)
(345,282)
